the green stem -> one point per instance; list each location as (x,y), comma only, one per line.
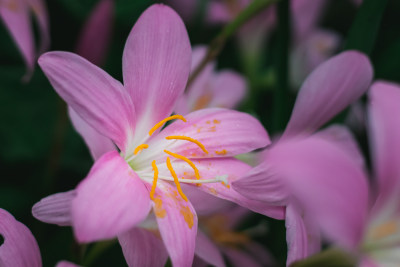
(364,30)
(219,41)
(281,95)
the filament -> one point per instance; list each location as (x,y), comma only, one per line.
(179,137)
(161,123)
(153,187)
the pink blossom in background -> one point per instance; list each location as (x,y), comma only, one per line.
(19,248)
(96,34)
(223,89)
(329,89)
(122,188)
(307,54)
(332,186)
(16,15)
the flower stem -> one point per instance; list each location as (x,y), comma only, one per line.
(219,41)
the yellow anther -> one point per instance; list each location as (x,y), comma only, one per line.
(153,187)
(140,148)
(178,186)
(161,123)
(188,139)
(196,171)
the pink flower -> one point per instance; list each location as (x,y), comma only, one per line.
(329,89)
(223,89)
(16,16)
(19,248)
(331,186)
(96,34)
(123,187)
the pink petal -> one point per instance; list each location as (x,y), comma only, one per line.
(329,89)
(97,143)
(198,95)
(239,258)
(177,222)
(55,209)
(15,15)
(302,237)
(204,203)
(96,34)
(223,133)
(262,184)
(306,14)
(20,248)
(260,253)
(327,183)
(229,88)
(233,169)
(98,98)
(385,136)
(109,201)
(208,251)
(316,48)
(342,136)
(156,64)
(40,11)
(66,264)
(142,248)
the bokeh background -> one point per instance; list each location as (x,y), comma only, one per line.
(41,154)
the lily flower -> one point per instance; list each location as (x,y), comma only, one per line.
(223,89)
(329,89)
(16,17)
(147,170)
(333,188)
(19,248)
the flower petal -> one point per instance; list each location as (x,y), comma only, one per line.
(97,143)
(15,15)
(302,237)
(385,136)
(156,65)
(229,88)
(262,184)
(233,169)
(177,222)
(223,133)
(329,89)
(142,248)
(327,183)
(55,209)
(342,136)
(109,201)
(98,98)
(20,248)
(208,251)
(95,37)
(239,258)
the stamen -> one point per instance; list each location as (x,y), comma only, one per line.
(153,187)
(216,179)
(196,171)
(178,186)
(179,137)
(161,123)
(140,148)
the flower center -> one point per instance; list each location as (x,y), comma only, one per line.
(175,178)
